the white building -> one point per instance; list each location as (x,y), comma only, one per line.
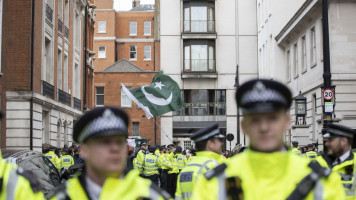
(202,42)
(299,63)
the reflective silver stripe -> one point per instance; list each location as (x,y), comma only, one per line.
(196,165)
(187,195)
(204,165)
(11,185)
(350,192)
(318,194)
(153,194)
(178,198)
(221,187)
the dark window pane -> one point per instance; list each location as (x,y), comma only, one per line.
(100,100)
(100,90)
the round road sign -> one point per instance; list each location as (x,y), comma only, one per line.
(328,94)
(230,137)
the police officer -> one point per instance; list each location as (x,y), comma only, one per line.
(102,133)
(53,158)
(164,168)
(311,154)
(209,144)
(267,170)
(181,159)
(295,149)
(66,160)
(173,171)
(339,157)
(141,153)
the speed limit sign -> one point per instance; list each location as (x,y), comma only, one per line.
(328,94)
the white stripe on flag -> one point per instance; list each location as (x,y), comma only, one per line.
(133,98)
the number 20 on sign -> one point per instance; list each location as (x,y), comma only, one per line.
(328,94)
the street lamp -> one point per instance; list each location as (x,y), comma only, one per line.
(238,110)
(300,109)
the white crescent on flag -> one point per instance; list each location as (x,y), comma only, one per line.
(156,100)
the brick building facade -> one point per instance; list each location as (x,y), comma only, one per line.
(42,83)
(129,54)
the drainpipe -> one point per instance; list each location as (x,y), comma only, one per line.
(85,60)
(31,78)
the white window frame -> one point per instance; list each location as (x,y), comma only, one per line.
(102,55)
(289,67)
(144,53)
(295,60)
(144,28)
(96,96)
(103,24)
(131,28)
(123,95)
(304,54)
(133,51)
(312,47)
(138,123)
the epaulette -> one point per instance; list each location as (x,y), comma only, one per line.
(161,192)
(215,172)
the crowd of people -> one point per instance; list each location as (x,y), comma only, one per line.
(266,169)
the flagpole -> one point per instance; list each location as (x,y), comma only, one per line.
(161,129)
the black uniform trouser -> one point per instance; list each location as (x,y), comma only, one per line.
(164,180)
(172,184)
(153,178)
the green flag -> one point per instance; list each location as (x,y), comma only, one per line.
(162,96)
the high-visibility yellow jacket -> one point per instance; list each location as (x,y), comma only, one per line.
(311,155)
(166,164)
(174,163)
(191,158)
(67,161)
(137,165)
(188,177)
(347,171)
(140,155)
(296,152)
(14,185)
(181,160)
(265,176)
(152,163)
(54,159)
(157,152)
(129,187)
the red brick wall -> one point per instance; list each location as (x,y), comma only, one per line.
(112,97)
(124,52)
(102,63)
(123,21)
(104,4)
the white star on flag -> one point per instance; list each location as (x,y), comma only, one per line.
(159,84)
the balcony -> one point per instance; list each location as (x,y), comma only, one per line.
(199,68)
(202,109)
(64,97)
(66,32)
(77,103)
(60,26)
(47,90)
(199,29)
(49,13)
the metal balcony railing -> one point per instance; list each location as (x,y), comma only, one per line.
(77,103)
(47,90)
(199,65)
(199,26)
(63,97)
(49,13)
(199,109)
(66,32)
(60,26)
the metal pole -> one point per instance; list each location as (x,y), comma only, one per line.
(237,84)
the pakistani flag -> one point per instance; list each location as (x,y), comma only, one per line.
(162,96)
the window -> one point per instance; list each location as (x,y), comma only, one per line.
(102,52)
(133,28)
(125,100)
(133,52)
(135,129)
(48,68)
(288,61)
(77,26)
(199,55)
(312,46)
(147,53)
(295,60)
(60,9)
(59,69)
(187,144)
(304,55)
(99,96)
(76,81)
(203,102)
(102,27)
(147,28)
(65,72)
(199,17)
